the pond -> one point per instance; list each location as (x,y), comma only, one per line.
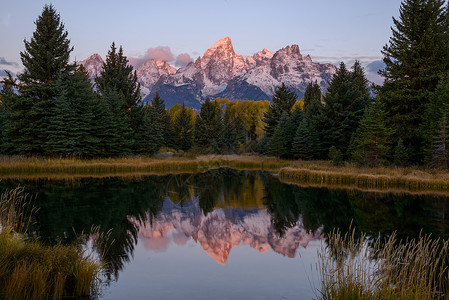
(222,234)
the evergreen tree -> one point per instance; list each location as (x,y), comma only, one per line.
(415,57)
(305,141)
(440,155)
(280,144)
(117,77)
(158,120)
(372,140)
(345,102)
(183,130)
(436,108)
(47,54)
(208,128)
(7,94)
(118,136)
(45,57)
(400,154)
(312,99)
(276,144)
(74,123)
(283,101)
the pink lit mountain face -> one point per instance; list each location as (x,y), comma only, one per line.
(221,230)
(221,73)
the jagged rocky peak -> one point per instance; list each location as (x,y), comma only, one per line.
(221,63)
(93,64)
(149,73)
(290,52)
(221,47)
(259,58)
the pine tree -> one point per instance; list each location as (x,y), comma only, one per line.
(283,101)
(183,130)
(437,107)
(46,56)
(372,139)
(208,128)
(415,57)
(276,145)
(440,155)
(400,154)
(345,102)
(117,77)
(312,99)
(305,141)
(74,123)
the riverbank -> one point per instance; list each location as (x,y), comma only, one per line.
(316,173)
(31,270)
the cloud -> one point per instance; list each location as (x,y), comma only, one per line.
(157,53)
(183,60)
(4,62)
(160,53)
(375,66)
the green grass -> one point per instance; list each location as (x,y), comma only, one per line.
(30,270)
(387,269)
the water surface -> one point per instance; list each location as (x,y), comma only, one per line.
(222,234)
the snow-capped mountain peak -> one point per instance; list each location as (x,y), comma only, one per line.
(222,73)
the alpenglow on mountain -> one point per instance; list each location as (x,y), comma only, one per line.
(222,73)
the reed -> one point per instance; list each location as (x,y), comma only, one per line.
(302,172)
(30,270)
(355,268)
(377,179)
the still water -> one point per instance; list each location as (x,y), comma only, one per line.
(223,234)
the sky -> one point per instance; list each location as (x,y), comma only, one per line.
(328,30)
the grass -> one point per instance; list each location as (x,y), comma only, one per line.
(385,269)
(399,179)
(315,173)
(30,270)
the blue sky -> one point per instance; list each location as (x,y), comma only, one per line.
(328,30)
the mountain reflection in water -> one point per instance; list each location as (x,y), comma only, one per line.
(220,230)
(184,218)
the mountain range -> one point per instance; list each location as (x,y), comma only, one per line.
(222,73)
(220,230)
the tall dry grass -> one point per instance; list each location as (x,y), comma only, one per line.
(30,270)
(355,268)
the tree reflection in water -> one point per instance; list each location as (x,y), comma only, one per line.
(122,206)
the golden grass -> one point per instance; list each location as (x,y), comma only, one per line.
(388,269)
(411,180)
(320,173)
(30,270)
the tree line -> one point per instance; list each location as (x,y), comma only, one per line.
(53,109)
(404,123)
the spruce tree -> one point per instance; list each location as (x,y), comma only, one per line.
(208,128)
(440,153)
(305,142)
(415,57)
(276,145)
(312,99)
(345,102)
(46,56)
(400,156)
(183,130)
(283,101)
(117,77)
(372,139)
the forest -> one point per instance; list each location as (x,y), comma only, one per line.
(52,109)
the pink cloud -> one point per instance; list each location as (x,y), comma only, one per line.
(183,60)
(160,53)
